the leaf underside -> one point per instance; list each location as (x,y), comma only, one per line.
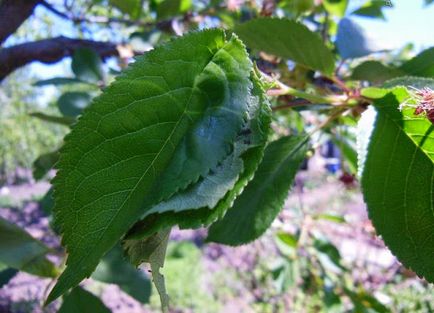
(287,39)
(21,251)
(398,182)
(81,300)
(170,118)
(114,268)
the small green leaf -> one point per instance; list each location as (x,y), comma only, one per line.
(44,163)
(87,65)
(374,92)
(288,239)
(62,120)
(347,148)
(364,302)
(80,300)
(6,274)
(131,7)
(256,208)
(421,65)
(375,72)
(21,251)
(114,269)
(297,7)
(398,182)
(373,9)
(336,7)
(47,203)
(328,254)
(71,104)
(160,127)
(287,39)
(171,8)
(58,81)
(330,217)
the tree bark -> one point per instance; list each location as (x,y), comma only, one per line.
(12,14)
(49,51)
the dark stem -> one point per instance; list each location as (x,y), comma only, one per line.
(49,51)
(12,14)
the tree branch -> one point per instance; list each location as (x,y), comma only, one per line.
(49,51)
(164,24)
(12,14)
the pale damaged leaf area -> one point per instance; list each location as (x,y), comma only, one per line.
(152,250)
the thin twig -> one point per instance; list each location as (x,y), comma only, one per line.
(291,104)
(338,68)
(340,84)
(101,19)
(287,90)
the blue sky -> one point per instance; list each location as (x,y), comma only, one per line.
(408,21)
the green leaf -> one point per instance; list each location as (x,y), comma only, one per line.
(153,251)
(71,104)
(373,92)
(421,65)
(248,150)
(287,39)
(47,203)
(348,152)
(87,65)
(375,72)
(288,239)
(373,9)
(256,208)
(330,217)
(336,7)
(62,120)
(44,163)
(328,254)
(114,269)
(162,125)
(364,302)
(398,182)
(21,251)
(131,7)
(80,300)
(171,8)
(58,81)
(6,275)
(297,7)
